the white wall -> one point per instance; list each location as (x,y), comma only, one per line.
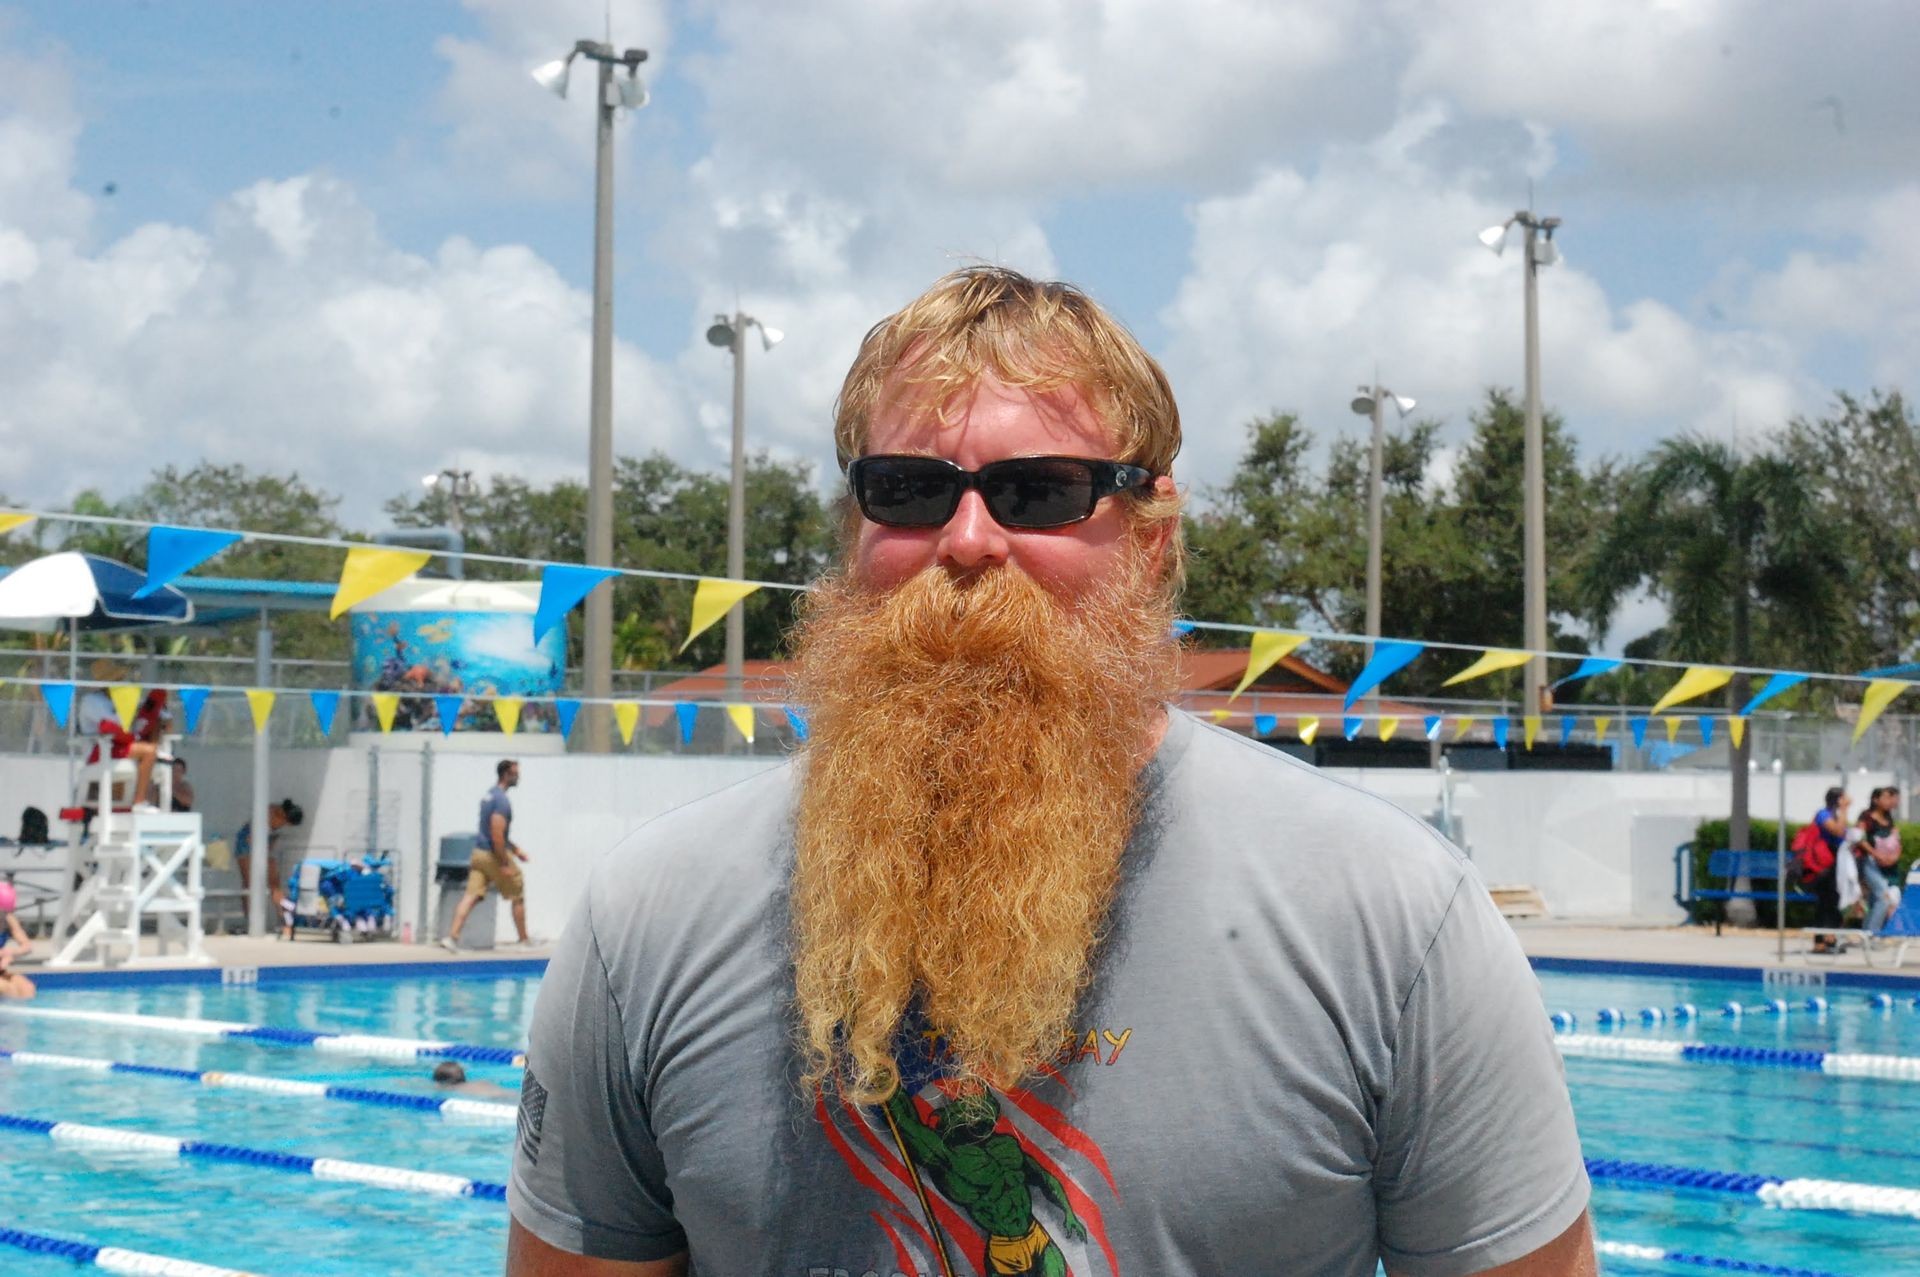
(1596,844)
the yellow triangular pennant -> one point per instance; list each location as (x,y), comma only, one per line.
(1220,715)
(126,703)
(742,716)
(1462,726)
(384,706)
(1600,726)
(260,702)
(1309,728)
(626,714)
(507,710)
(1880,694)
(711,599)
(1697,681)
(1673,728)
(371,569)
(9,520)
(1489,663)
(1737,728)
(1388,726)
(1529,729)
(1266,651)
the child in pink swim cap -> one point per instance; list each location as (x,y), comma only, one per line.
(13,943)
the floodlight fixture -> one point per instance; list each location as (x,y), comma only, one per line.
(552,76)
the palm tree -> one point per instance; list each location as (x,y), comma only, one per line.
(1739,549)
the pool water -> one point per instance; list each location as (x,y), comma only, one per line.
(1708,1117)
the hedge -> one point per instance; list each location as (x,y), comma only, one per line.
(1711,836)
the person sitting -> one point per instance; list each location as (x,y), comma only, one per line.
(182,787)
(96,716)
(279,816)
(14,943)
(449,1075)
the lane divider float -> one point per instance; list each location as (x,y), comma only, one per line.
(1785,1194)
(449,1106)
(112,1259)
(1720,1263)
(395,1178)
(1595,1046)
(385,1048)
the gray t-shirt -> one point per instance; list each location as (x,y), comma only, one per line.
(1311,1043)
(494,803)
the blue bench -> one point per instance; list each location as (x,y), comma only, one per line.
(1727,866)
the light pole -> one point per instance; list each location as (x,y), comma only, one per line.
(1371,402)
(613,94)
(1780,860)
(1540,252)
(730,332)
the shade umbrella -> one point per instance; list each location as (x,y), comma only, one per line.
(85,591)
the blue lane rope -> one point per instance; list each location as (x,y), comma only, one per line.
(450,1106)
(371,1174)
(113,1259)
(1643,1050)
(1782,1193)
(1719,1263)
(390,1048)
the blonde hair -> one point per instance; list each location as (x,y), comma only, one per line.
(1036,335)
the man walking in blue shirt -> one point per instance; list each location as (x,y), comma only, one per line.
(493,860)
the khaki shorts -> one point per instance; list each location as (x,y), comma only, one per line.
(485,870)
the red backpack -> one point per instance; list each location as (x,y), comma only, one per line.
(1812,856)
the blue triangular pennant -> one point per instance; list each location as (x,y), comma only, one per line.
(561,586)
(688,713)
(1432,723)
(1639,729)
(59,699)
(1775,685)
(1353,725)
(1566,730)
(1182,628)
(1265,724)
(447,707)
(192,701)
(1388,659)
(799,721)
(326,705)
(1590,667)
(172,552)
(564,710)
(1706,729)
(1501,728)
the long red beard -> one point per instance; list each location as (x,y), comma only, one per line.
(966,793)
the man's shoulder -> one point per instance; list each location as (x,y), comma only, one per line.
(728,838)
(1252,797)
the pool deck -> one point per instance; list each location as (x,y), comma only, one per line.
(1553,944)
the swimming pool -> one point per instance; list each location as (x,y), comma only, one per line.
(1790,1122)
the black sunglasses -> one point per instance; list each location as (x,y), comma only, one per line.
(1020,492)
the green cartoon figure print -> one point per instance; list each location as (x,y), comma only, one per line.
(988,1175)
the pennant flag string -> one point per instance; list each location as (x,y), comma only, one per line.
(1388,659)
(1706,729)
(1590,668)
(1432,724)
(59,699)
(1462,726)
(625,715)
(173,552)
(384,706)
(565,710)
(326,707)
(10,519)
(1501,731)
(1600,726)
(126,703)
(1267,649)
(1529,729)
(1880,694)
(742,718)
(1352,726)
(1737,730)
(1265,724)
(1491,663)
(1697,681)
(561,587)
(1672,724)
(446,708)
(371,569)
(1774,686)
(1639,728)
(712,599)
(260,702)
(1388,726)
(1309,728)
(1566,730)
(687,715)
(192,701)
(798,722)
(506,709)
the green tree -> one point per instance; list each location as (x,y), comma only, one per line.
(1740,551)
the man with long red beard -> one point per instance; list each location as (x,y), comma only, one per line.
(1015,970)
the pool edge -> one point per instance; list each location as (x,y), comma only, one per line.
(293,973)
(1850,979)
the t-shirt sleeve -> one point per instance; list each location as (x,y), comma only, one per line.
(1479,1162)
(587,1174)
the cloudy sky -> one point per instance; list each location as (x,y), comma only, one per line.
(353,239)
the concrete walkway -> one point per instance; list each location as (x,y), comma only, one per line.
(1621,941)
(239,953)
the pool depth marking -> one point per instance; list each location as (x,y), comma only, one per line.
(113,1259)
(451,1106)
(1595,1046)
(385,1048)
(396,1178)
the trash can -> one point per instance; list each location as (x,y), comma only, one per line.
(450,872)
